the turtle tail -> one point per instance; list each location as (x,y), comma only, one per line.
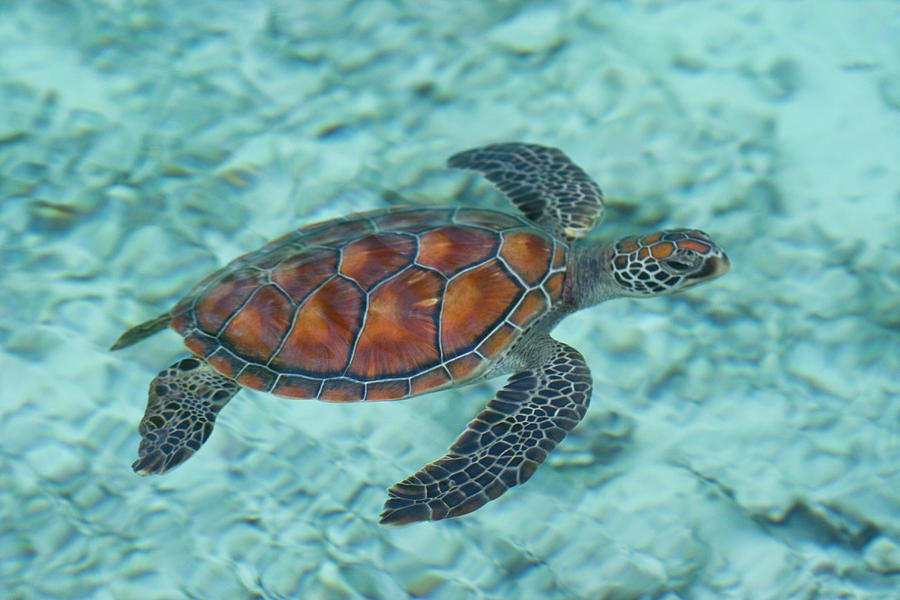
(144,330)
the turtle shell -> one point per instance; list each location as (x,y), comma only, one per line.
(376,306)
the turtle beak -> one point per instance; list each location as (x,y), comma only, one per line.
(715,266)
(720,266)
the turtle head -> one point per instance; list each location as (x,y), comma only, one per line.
(664,262)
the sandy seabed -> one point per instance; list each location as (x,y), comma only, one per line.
(743,440)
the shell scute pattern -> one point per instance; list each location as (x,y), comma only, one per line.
(201,344)
(303,272)
(226,297)
(257,377)
(401,326)
(374,258)
(259,326)
(530,254)
(488,290)
(296,386)
(323,329)
(226,362)
(439,249)
(377,306)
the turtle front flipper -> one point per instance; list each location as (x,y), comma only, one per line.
(503,446)
(184,401)
(543,183)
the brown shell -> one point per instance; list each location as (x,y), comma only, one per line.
(376,306)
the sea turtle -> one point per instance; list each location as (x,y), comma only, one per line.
(398,302)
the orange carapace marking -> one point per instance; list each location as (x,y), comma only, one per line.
(332,310)
(374,257)
(200,344)
(257,377)
(387,390)
(297,386)
(323,330)
(429,380)
(301,274)
(473,302)
(498,341)
(451,249)
(554,285)
(559,257)
(215,306)
(465,366)
(532,305)
(528,253)
(225,362)
(259,325)
(400,332)
(341,390)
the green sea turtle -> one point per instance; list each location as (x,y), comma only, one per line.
(395,303)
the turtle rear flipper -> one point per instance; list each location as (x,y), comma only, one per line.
(503,446)
(144,330)
(184,401)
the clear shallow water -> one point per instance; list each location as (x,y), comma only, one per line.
(743,437)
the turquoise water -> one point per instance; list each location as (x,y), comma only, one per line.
(743,440)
